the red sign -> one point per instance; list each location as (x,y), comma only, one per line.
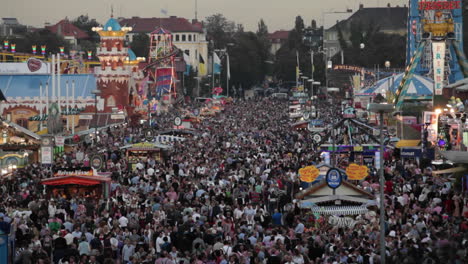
(34,64)
(442,5)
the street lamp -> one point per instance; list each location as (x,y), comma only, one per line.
(381,109)
(96,93)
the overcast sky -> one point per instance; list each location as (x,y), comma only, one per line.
(278,14)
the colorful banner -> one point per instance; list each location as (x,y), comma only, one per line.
(163,81)
(438,52)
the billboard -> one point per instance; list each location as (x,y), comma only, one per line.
(32,66)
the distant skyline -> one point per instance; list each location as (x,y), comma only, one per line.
(276,14)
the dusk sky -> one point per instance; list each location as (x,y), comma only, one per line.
(278,14)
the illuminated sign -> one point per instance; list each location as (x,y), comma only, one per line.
(438,52)
(442,5)
(358,69)
(61,173)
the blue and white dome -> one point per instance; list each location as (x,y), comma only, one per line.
(112,25)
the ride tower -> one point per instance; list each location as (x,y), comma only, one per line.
(434,45)
(160,70)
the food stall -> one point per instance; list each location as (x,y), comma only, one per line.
(18,147)
(84,182)
(141,151)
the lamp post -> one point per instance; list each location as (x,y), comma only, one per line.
(96,93)
(381,109)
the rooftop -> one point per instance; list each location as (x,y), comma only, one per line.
(279,34)
(386,18)
(66,28)
(173,24)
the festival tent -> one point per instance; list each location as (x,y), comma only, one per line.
(419,86)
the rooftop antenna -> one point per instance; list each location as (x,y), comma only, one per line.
(196,9)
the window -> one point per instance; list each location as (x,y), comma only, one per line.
(187,52)
(190,38)
(111,101)
(22,122)
(183,37)
(194,37)
(177,37)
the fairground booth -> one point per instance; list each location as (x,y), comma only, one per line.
(84,182)
(142,151)
(18,147)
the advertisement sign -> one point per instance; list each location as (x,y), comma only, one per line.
(438,52)
(377,160)
(357,172)
(316,122)
(97,162)
(62,173)
(440,5)
(431,119)
(59,141)
(163,81)
(410,153)
(309,173)
(333,178)
(46,155)
(32,66)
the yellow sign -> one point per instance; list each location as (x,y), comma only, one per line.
(143,145)
(357,172)
(308,174)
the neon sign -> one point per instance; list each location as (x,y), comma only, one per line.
(442,5)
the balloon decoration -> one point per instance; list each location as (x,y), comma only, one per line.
(309,174)
(34,49)
(357,172)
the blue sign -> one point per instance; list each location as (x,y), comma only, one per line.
(316,122)
(410,153)
(333,178)
(3,248)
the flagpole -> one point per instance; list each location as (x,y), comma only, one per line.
(212,71)
(297,70)
(227,73)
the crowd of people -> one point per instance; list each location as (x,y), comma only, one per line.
(225,195)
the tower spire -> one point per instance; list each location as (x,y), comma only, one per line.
(112,10)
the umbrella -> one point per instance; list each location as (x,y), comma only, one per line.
(419,85)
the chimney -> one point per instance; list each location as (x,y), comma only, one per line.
(46,24)
(388,5)
(361,6)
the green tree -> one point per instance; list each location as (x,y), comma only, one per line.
(219,30)
(247,64)
(140,45)
(38,38)
(86,24)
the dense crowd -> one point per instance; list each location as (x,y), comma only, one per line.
(226,195)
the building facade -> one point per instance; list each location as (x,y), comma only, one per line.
(389,20)
(187,36)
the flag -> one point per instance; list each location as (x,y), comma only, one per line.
(187,64)
(217,64)
(228,68)
(201,65)
(164,11)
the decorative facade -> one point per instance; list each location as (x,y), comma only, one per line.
(113,74)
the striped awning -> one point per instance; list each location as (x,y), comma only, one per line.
(340,210)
